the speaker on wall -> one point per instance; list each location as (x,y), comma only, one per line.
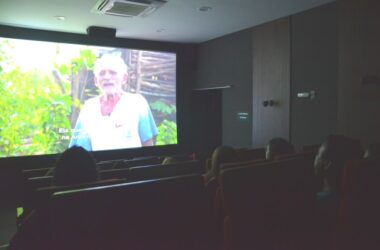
(96,31)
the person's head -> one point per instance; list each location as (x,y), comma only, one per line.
(75,166)
(373,152)
(278,146)
(110,74)
(222,154)
(332,155)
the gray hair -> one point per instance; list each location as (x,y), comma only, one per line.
(112,61)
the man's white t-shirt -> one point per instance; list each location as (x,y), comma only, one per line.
(129,124)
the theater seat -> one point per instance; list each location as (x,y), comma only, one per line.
(250,154)
(309,155)
(268,205)
(240,163)
(359,217)
(114,174)
(42,195)
(160,171)
(311,148)
(168,213)
(30,173)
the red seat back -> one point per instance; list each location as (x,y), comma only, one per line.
(250,154)
(268,202)
(167,213)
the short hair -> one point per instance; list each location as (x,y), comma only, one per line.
(75,166)
(113,61)
(222,154)
(338,150)
(373,151)
(279,146)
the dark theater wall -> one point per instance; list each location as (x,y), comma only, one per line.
(314,67)
(228,61)
(311,65)
(359,53)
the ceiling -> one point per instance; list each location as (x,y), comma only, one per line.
(176,21)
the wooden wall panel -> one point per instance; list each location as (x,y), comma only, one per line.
(271,81)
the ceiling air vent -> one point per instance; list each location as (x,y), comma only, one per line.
(127,8)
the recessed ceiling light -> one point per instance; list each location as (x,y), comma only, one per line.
(205,8)
(60,18)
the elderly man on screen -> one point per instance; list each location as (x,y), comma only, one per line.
(115,119)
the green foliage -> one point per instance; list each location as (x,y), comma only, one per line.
(32,111)
(4,57)
(163,108)
(35,106)
(85,61)
(20,211)
(167,129)
(167,133)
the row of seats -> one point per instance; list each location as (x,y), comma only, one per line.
(103,165)
(132,173)
(258,204)
(264,204)
(37,188)
(42,176)
(168,213)
(272,205)
(253,155)
(359,218)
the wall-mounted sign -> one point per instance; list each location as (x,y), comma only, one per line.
(242,116)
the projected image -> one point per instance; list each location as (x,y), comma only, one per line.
(55,95)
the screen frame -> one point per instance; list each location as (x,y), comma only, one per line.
(36,161)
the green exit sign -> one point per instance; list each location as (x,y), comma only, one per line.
(242,116)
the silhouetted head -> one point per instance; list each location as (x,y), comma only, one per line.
(332,155)
(75,166)
(373,152)
(222,154)
(278,146)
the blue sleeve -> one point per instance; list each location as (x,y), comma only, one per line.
(147,125)
(79,137)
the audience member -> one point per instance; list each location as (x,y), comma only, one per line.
(373,152)
(329,163)
(222,154)
(278,146)
(330,160)
(75,166)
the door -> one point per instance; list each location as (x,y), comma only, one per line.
(207,122)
